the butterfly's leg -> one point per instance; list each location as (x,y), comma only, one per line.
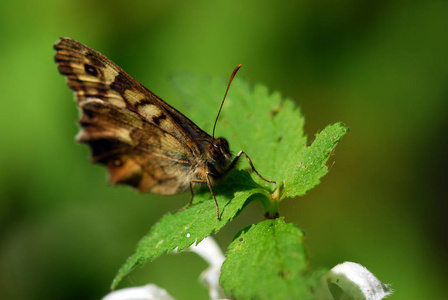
(213,194)
(191,198)
(211,191)
(235,160)
(192,195)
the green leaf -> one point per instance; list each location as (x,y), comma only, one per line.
(307,166)
(268,261)
(193,224)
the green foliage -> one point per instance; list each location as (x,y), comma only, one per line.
(267,261)
(306,167)
(270,130)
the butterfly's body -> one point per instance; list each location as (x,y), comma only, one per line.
(143,141)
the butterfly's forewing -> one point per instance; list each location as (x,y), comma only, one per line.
(143,141)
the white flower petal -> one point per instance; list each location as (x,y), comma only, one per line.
(209,250)
(147,292)
(354,281)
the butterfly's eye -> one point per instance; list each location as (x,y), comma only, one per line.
(223,145)
(214,151)
(220,150)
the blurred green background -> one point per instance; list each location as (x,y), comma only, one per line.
(379,66)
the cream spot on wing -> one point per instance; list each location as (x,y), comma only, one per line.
(75,66)
(109,75)
(115,98)
(149,110)
(88,78)
(133,96)
(122,134)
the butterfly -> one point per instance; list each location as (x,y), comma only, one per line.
(142,140)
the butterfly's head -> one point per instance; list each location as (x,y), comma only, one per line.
(219,152)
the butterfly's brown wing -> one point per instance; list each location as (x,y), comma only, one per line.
(143,141)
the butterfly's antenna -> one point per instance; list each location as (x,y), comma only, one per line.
(222,103)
